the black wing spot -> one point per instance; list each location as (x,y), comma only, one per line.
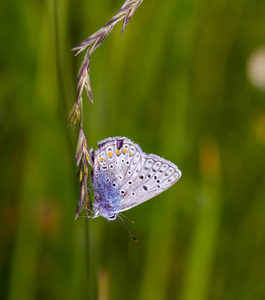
(149,175)
(145,188)
(119,144)
(92,156)
(141,177)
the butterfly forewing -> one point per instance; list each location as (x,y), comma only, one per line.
(157,175)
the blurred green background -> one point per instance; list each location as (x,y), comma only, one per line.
(185,81)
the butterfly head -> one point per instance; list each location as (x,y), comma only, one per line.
(100,210)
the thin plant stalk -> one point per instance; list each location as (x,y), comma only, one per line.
(76,116)
(83,82)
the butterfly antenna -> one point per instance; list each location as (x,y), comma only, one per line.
(127,218)
(128,229)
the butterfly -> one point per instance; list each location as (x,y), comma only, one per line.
(123,176)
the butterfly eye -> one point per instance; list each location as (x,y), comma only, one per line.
(112,217)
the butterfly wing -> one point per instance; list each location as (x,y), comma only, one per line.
(114,162)
(156,175)
(124,176)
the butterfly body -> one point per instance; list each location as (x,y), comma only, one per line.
(124,176)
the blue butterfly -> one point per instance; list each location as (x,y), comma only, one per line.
(123,176)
